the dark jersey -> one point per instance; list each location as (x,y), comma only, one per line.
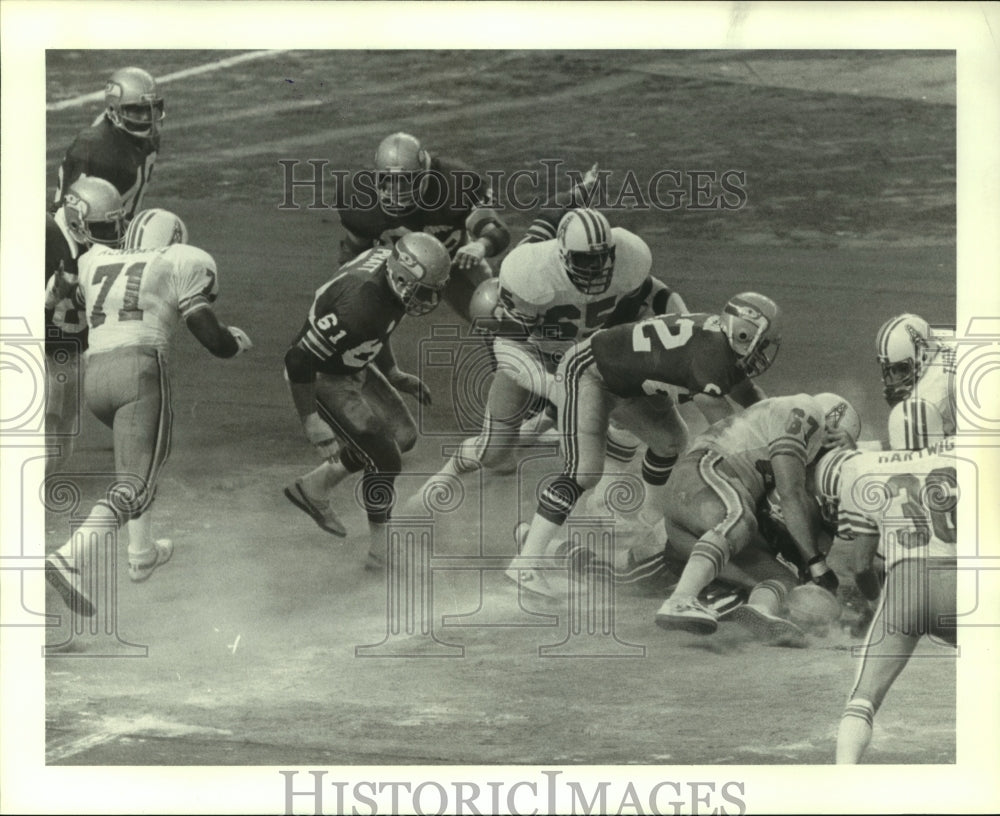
(107,152)
(352,316)
(688,351)
(451,192)
(63,320)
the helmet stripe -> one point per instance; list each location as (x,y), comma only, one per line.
(886,333)
(585,220)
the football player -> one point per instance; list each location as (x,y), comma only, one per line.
(718,484)
(902,513)
(91,214)
(345,382)
(412,191)
(634,370)
(135,297)
(122,144)
(918,375)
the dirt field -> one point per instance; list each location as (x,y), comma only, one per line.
(253,628)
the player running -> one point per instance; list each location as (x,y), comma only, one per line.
(902,511)
(410,190)
(345,382)
(135,297)
(122,144)
(633,370)
(918,374)
(715,491)
(91,213)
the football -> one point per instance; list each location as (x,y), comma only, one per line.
(812,607)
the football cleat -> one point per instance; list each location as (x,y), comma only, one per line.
(68,582)
(901,347)
(154,229)
(417,271)
(323,515)
(374,562)
(688,615)
(750,323)
(133,103)
(587,250)
(94,212)
(546,582)
(141,565)
(772,629)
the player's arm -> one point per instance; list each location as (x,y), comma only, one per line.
(352,245)
(222,341)
(801,514)
(488,236)
(867,575)
(746,392)
(300,374)
(402,381)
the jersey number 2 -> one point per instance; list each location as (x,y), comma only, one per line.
(130,300)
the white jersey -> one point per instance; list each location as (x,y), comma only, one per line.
(137,297)
(928,414)
(535,290)
(908,499)
(747,440)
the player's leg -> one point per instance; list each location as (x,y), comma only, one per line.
(369,446)
(583,409)
(337,397)
(919,598)
(142,429)
(705,501)
(660,425)
(62,400)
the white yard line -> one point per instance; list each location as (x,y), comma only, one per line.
(182,74)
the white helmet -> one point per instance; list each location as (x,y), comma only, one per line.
(401,168)
(153,229)
(94,212)
(133,103)
(901,349)
(828,479)
(750,323)
(417,271)
(587,250)
(840,419)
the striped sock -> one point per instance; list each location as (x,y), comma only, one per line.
(855,731)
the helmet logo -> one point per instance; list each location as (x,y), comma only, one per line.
(75,202)
(915,337)
(411,263)
(113,89)
(835,414)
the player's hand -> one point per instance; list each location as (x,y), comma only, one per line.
(242,340)
(470,255)
(838,438)
(321,436)
(586,183)
(821,574)
(412,385)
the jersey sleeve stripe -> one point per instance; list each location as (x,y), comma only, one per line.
(788,445)
(192,304)
(309,342)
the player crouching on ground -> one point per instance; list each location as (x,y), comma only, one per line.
(718,484)
(632,371)
(135,297)
(345,383)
